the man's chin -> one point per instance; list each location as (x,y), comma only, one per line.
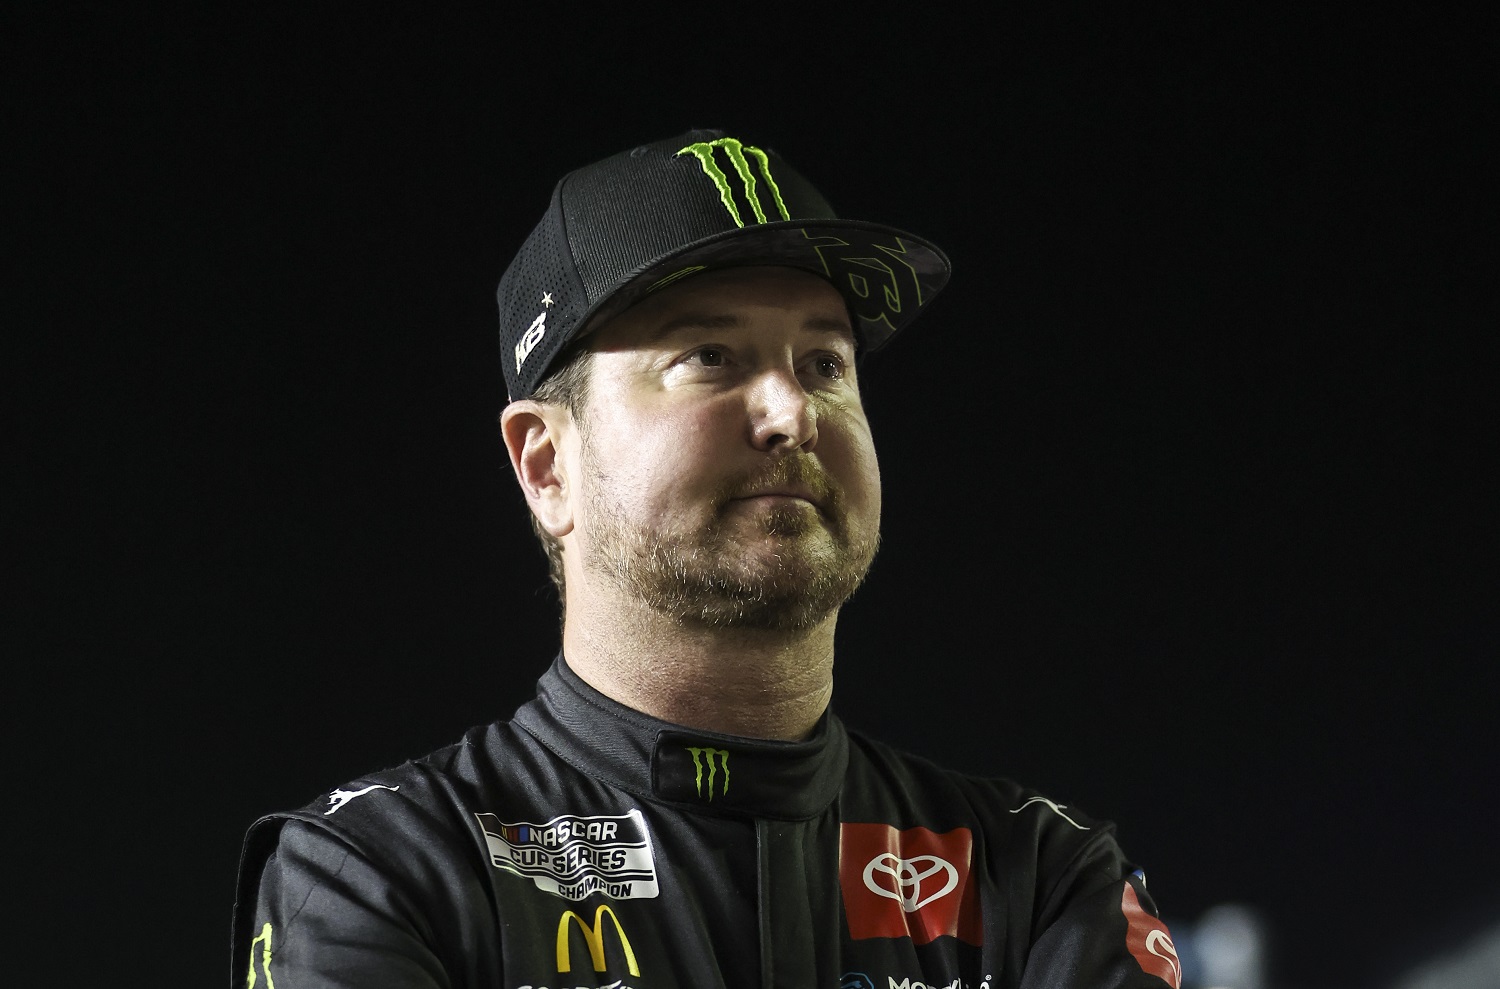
(773,566)
(773,583)
(764,609)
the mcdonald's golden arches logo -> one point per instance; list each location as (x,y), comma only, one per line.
(594,938)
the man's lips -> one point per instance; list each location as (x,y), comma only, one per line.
(786,494)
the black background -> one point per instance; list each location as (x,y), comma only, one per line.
(1186,508)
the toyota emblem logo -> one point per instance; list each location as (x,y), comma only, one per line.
(902,879)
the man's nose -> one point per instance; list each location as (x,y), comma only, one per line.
(782,414)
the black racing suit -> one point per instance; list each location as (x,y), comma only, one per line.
(586,844)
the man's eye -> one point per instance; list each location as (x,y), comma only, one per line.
(709,357)
(829,366)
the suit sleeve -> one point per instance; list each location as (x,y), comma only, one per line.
(1103,932)
(326,918)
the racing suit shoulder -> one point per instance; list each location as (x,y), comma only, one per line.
(906,782)
(1016,828)
(1059,891)
(392,858)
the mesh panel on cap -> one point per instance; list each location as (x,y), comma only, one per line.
(542,267)
(618,223)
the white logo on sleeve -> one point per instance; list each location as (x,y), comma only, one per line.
(1056,809)
(339,798)
(1162,940)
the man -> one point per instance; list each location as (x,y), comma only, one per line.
(681,337)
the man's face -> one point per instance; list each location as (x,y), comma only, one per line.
(726,472)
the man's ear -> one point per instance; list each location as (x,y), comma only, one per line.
(536,435)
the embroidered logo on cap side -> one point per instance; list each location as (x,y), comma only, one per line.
(534,333)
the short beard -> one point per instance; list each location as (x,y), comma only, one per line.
(704,579)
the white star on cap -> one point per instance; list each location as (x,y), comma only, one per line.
(546,298)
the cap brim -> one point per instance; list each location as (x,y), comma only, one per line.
(887,276)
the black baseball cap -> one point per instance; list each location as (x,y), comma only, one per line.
(634,223)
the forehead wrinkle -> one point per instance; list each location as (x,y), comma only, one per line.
(696,321)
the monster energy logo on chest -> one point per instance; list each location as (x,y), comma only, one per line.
(716,761)
(737,153)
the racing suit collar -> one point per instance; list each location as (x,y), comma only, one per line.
(694,770)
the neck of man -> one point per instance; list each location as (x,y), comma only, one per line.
(749,682)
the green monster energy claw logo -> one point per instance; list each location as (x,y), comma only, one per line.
(264,940)
(704,152)
(711,757)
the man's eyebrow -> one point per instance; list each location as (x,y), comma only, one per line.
(732,321)
(696,321)
(829,324)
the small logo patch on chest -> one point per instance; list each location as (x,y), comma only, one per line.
(573,856)
(914,883)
